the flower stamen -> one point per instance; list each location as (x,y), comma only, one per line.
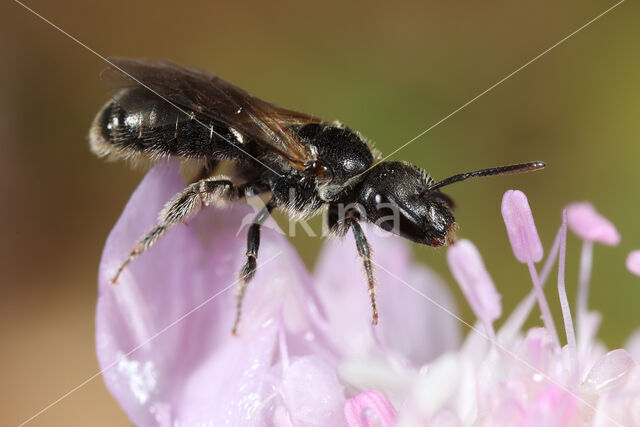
(564,302)
(526,246)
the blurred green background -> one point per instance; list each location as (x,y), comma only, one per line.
(388,70)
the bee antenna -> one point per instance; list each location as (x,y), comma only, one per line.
(500,170)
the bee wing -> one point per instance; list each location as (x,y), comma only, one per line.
(207,96)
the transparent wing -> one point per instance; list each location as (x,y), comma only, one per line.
(205,95)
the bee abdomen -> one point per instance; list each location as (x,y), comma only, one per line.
(155,128)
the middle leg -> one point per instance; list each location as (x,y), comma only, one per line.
(249,269)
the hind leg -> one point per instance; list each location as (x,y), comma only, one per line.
(215,190)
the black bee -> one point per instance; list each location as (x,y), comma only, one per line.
(160,109)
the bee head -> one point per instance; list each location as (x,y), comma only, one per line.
(396,197)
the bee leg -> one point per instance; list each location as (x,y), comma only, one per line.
(184,205)
(249,269)
(364,250)
(340,221)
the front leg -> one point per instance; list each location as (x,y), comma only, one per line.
(340,224)
(249,269)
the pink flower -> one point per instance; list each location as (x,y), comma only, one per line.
(586,222)
(163,333)
(468,268)
(521,228)
(633,262)
(307,353)
(526,245)
(590,225)
(527,377)
(368,409)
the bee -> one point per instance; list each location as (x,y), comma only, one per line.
(300,163)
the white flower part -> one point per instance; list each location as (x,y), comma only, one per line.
(142,377)
(609,372)
(633,345)
(434,388)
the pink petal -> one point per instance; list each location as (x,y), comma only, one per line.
(588,224)
(403,292)
(521,228)
(553,407)
(368,409)
(166,362)
(312,392)
(507,411)
(633,262)
(538,349)
(477,286)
